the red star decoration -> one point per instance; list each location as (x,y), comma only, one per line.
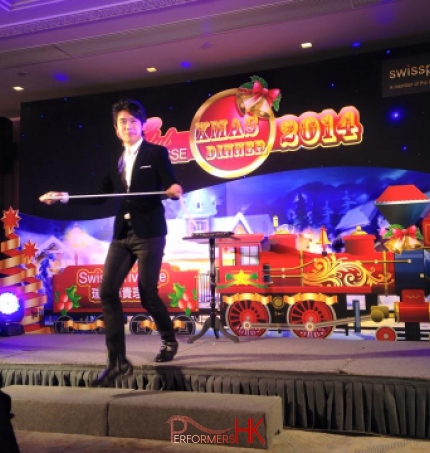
(29,251)
(10,220)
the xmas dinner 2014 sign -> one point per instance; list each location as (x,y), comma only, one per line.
(235,130)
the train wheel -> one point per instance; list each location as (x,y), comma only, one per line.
(140,325)
(385,333)
(189,325)
(310,312)
(61,324)
(243,312)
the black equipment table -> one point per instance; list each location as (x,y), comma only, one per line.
(213,322)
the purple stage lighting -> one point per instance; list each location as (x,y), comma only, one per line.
(9,304)
(396,115)
(11,313)
(61,77)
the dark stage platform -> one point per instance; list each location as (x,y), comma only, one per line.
(337,385)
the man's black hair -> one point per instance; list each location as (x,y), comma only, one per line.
(131,106)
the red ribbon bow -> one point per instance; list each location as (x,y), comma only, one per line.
(400,234)
(259,91)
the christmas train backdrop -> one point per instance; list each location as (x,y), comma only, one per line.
(307,284)
(295,162)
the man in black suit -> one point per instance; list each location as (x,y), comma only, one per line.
(139,233)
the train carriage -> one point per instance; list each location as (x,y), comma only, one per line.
(76,298)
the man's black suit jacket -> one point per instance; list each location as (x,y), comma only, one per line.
(152,172)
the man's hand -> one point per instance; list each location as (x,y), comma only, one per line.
(52,197)
(174,191)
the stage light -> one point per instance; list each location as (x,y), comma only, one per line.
(11,313)
(61,77)
(395,115)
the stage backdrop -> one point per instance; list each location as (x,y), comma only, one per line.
(287,150)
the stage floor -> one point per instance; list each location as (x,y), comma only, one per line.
(365,358)
(289,441)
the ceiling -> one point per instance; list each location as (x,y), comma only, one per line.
(57,48)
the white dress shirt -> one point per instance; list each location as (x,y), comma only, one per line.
(129,157)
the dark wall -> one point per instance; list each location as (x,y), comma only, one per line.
(8,195)
(64,142)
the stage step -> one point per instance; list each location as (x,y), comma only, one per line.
(69,410)
(178,417)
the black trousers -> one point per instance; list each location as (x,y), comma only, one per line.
(122,255)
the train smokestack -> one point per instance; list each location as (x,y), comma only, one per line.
(402,205)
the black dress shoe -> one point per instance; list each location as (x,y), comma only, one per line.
(118,368)
(167,352)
